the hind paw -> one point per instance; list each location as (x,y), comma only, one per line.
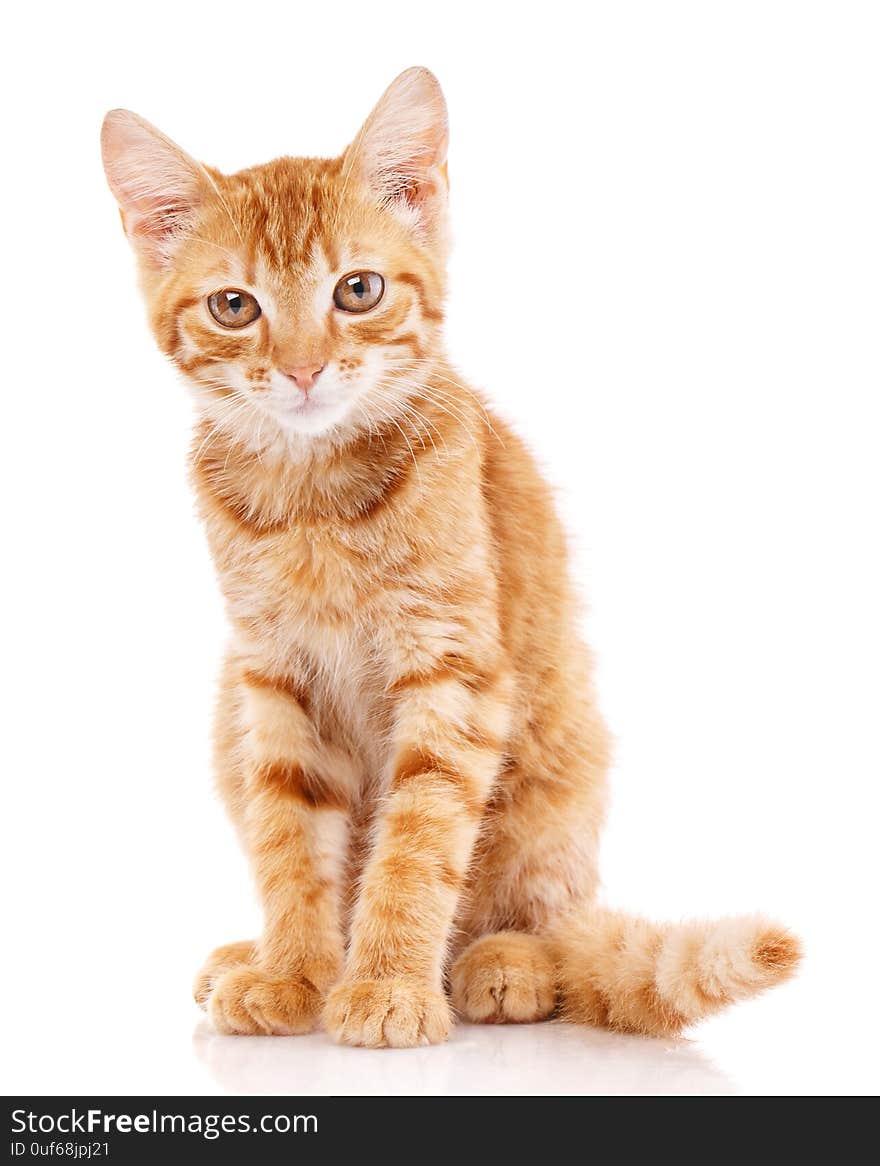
(505,978)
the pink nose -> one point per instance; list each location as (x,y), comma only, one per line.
(303,375)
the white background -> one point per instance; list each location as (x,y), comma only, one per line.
(666,274)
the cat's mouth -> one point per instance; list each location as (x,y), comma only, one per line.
(309,413)
(304,407)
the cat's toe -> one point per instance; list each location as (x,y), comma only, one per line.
(389,1013)
(505,978)
(247,1002)
(222,959)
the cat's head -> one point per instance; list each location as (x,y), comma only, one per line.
(301,297)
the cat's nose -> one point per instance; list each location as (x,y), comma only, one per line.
(303,375)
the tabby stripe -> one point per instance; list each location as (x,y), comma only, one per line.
(418,286)
(290,780)
(390,489)
(286,686)
(450,666)
(409,339)
(418,762)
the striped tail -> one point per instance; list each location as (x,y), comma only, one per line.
(625,973)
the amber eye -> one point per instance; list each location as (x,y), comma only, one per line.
(359,291)
(233,308)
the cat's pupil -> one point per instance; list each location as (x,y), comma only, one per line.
(358,287)
(233,302)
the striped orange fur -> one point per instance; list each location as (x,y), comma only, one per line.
(407,735)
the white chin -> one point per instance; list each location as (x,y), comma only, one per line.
(311,418)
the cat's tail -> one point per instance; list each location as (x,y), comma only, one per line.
(622,972)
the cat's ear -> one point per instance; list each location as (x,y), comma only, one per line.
(157,185)
(400,152)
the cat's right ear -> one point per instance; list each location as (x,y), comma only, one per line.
(157,185)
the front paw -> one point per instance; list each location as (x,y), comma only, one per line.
(391,1013)
(248,1002)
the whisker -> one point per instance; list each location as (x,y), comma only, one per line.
(224,204)
(423,423)
(211,243)
(347,170)
(443,402)
(430,364)
(393,421)
(217,426)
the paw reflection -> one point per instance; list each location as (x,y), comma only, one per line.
(515,1059)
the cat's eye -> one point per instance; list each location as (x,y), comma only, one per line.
(233,308)
(359,291)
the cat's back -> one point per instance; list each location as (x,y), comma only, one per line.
(537,608)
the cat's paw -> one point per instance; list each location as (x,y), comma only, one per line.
(222,959)
(505,978)
(248,1002)
(390,1013)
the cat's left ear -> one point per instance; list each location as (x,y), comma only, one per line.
(158,186)
(400,152)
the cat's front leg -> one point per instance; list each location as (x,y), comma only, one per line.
(294,799)
(450,730)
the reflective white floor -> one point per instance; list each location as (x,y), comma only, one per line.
(98,1038)
(527,1059)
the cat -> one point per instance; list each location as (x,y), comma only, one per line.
(407,736)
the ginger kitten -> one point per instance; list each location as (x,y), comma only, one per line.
(407,737)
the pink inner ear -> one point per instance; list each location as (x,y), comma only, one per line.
(156,184)
(155,219)
(419,194)
(401,149)
(417,179)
